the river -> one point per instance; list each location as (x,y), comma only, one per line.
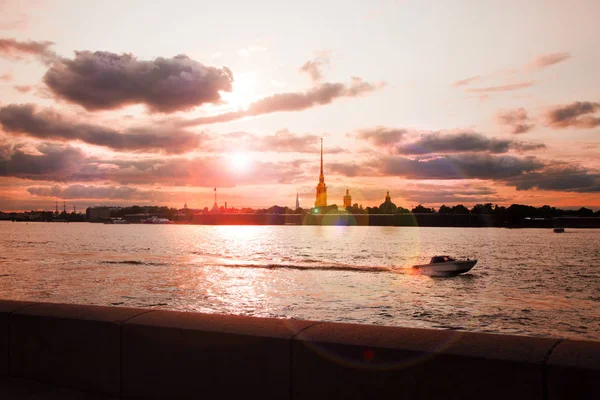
(527,281)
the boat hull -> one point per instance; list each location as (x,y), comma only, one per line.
(450,268)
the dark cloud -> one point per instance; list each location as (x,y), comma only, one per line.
(453,143)
(98,192)
(104,81)
(517,120)
(576,115)
(53,163)
(324,93)
(502,88)
(464,82)
(313,68)
(521,147)
(524,173)
(381,136)
(23,88)
(459,166)
(565,179)
(13,48)
(396,141)
(438,194)
(25,120)
(547,60)
(349,170)
(456,166)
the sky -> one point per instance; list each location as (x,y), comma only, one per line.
(439,102)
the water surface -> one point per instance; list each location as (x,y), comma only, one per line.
(527,281)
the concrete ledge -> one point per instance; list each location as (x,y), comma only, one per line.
(183,355)
(138,353)
(21,389)
(69,345)
(360,361)
(574,370)
(7,307)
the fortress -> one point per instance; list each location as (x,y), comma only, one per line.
(321,194)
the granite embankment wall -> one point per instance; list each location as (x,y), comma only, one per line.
(142,353)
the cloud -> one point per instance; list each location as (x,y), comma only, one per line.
(547,60)
(105,81)
(517,120)
(442,167)
(459,166)
(524,173)
(54,163)
(313,68)
(502,88)
(7,77)
(521,147)
(281,141)
(381,136)
(574,115)
(12,48)
(68,164)
(23,88)
(424,193)
(23,119)
(464,82)
(345,169)
(397,141)
(453,143)
(79,191)
(324,93)
(558,178)
(538,63)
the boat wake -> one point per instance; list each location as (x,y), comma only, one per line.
(134,262)
(308,265)
(352,268)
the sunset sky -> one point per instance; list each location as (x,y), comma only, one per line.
(439,102)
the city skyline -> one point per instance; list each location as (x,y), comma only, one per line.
(436,102)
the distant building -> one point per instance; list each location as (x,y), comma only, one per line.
(387,207)
(97,214)
(321,200)
(297,201)
(347,199)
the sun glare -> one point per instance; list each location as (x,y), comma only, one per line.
(243,91)
(240,161)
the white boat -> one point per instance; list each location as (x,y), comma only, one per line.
(445,266)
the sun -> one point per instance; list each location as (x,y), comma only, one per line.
(243,90)
(239,161)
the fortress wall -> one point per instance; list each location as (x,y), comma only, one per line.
(145,353)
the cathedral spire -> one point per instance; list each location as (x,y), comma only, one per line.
(321,156)
(321,200)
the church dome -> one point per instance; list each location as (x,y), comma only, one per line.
(387,207)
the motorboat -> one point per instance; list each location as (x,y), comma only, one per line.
(445,266)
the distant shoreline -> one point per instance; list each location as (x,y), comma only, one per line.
(400,220)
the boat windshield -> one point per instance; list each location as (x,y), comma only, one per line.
(440,259)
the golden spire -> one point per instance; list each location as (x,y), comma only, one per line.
(321,200)
(321,175)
